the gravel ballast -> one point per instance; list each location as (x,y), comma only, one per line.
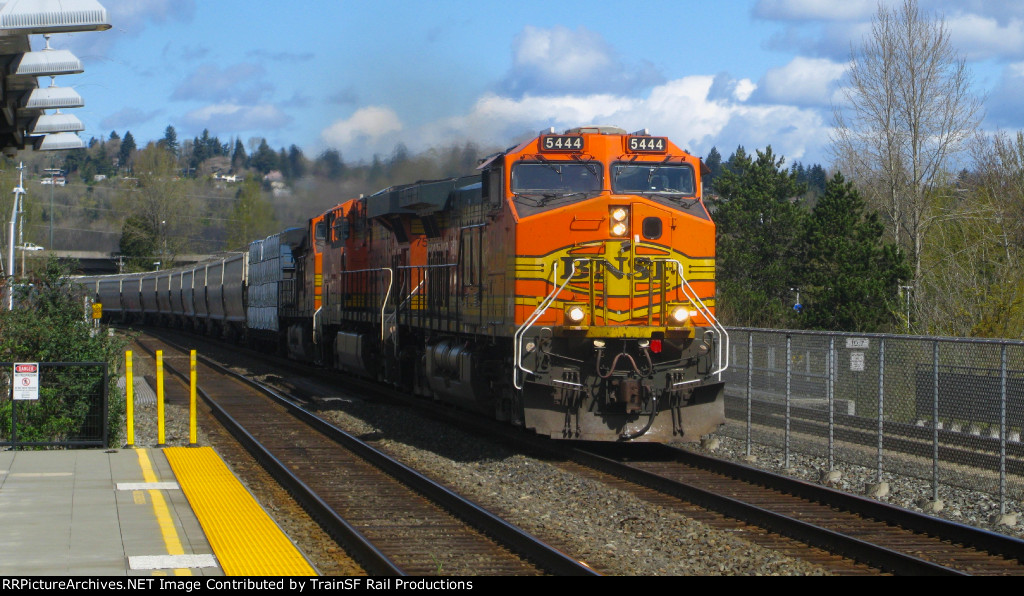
(611,530)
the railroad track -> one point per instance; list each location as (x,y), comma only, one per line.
(961,448)
(884,537)
(393,520)
(843,533)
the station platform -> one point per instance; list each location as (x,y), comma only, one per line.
(134,512)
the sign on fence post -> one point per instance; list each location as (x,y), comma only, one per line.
(26,381)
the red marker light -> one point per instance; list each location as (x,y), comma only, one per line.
(656,346)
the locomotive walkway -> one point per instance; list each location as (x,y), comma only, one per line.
(136,513)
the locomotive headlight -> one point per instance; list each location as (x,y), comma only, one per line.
(680,314)
(575,313)
(620,221)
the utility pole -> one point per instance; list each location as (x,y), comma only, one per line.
(53,182)
(18,192)
(907,289)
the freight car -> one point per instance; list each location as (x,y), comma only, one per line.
(567,287)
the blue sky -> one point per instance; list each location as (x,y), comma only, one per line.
(362,76)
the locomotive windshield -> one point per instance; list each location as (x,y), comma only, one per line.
(672,185)
(539,186)
(556,177)
(646,178)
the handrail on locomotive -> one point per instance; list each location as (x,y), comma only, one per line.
(722,351)
(537,313)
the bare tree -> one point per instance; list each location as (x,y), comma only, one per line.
(987,233)
(161,200)
(909,111)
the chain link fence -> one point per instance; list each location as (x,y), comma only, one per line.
(949,411)
(70,408)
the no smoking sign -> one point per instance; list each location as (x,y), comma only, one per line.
(26,381)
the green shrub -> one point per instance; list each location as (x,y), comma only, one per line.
(48,324)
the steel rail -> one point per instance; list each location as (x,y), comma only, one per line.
(519,541)
(373,560)
(992,542)
(848,546)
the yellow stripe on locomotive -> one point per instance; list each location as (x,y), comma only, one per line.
(609,286)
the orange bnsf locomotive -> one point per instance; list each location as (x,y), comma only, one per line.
(568,287)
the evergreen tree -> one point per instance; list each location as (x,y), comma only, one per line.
(99,162)
(264,160)
(170,141)
(758,223)
(127,152)
(736,160)
(200,149)
(330,165)
(714,164)
(850,276)
(817,178)
(296,162)
(73,161)
(205,147)
(376,173)
(283,164)
(239,160)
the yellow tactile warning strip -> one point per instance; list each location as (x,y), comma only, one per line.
(244,538)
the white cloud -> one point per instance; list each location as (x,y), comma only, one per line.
(560,60)
(228,116)
(682,109)
(560,52)
(804,82)
(726,88)
(243,82)
(744,89)
(980,29)
(128,117)
(128,19)
(980,37)
(369,130)
(815,10)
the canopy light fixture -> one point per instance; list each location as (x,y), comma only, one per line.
(48,63)
(53,16)
(59,141)
(58,122)
(53,97)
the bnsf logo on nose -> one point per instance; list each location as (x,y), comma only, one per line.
(25,368)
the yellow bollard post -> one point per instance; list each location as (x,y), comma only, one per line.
(192,399)
(130,393)
(160,397)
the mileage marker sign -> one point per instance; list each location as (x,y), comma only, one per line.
(26,381)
